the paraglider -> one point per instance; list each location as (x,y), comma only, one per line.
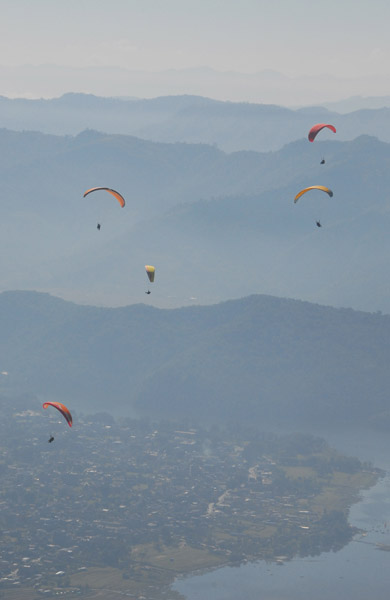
(116,194)
(317,128)
(150,273)
(322,188)
(63,410)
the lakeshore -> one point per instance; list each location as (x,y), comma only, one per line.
(133,505)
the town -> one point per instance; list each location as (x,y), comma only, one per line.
(129,493)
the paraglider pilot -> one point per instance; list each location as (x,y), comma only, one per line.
(51,439)
(318,224)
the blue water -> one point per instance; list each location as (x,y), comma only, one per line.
(360,571)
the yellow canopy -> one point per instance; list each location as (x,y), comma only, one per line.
(150,271)
(322,188)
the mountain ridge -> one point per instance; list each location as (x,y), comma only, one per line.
(232,126)
(199,215)
(262,359)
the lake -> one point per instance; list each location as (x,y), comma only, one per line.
(357,572)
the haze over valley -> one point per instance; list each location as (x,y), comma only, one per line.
(194,300)
(216,225)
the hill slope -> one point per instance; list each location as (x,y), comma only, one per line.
(261,359)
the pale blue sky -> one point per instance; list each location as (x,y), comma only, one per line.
(296,37)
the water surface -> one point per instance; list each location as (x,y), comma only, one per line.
(357,572)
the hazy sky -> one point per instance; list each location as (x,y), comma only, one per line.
(297,37)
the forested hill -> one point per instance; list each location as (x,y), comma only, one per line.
(261,359)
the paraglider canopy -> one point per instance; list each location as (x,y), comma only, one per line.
(63,410)
(317,128)
(150,272)
(322,188)
(116,194)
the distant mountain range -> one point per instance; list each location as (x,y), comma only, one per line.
(358,103)
(215,225)
(267,86)
(261,359)
(190,119)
